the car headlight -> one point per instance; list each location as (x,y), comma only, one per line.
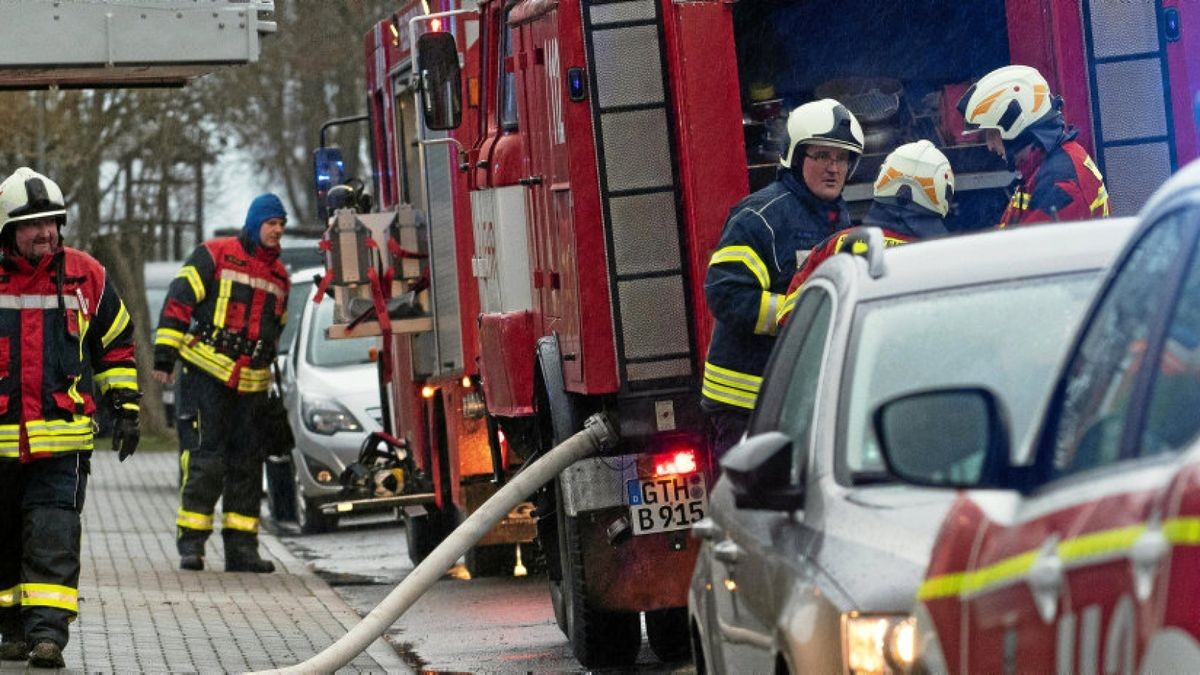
(878,644)
(325,416)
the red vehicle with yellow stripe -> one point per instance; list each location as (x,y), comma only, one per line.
(1080,552)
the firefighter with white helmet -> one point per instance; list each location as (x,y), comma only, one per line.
(1023,122)
(764,239)
(65,335)
(913,194)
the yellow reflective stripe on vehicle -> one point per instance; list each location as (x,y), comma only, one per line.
(123,378)
(8,596)
(1074,552)
(225,289)
(236,521)
(50,595)
(117,326)
(193,520)
(192,275)
(168,337)
(253,282)
(727,395)
(746,256)
(768,308)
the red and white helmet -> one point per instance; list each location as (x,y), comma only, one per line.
(1008,99)
(920,171)
(824,122)
(26,195)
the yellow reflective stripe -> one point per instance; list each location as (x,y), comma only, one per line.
(236,521)
(183,471)
(727,395)
(732,378)
(117,326)
(208,359)
(253,381)
(1020,200)
(746,256)
(788,304)
(193,520)
(253,282)
(768,309)
(1100,200)
(50,595)
(168,337)
(1074,552)
(10,435)
(8,596)
(192,275)
(123,378)
(225,289)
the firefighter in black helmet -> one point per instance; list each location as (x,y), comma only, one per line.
(764,240)
(64,337)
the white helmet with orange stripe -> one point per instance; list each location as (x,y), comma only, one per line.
(920,173)
(1009,99)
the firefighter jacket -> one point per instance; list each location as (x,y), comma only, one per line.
(64,334)
(900,224)
(1060,184)
(766,235)
(224,313)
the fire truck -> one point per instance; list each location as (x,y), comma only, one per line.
(564,168)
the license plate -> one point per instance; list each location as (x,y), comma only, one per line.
(666,503)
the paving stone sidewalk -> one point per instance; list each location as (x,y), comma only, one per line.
(138,613)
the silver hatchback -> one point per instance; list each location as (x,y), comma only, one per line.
(811,554)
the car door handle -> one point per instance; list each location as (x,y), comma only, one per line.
(1046,581)
(727,552)
(1144,557)
(706,528)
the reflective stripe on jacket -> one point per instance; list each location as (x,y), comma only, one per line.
(222,286)
(765,237)
(58,348)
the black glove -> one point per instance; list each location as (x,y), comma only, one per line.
(126,429)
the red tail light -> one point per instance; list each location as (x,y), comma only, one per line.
(675,463)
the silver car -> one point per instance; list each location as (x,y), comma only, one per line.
(331,390)
(811,555)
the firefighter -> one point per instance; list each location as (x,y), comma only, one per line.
(912,196)
(223,316)
(763,241)
(1023,123)
(64,334)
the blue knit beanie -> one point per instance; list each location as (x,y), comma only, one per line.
(264,207)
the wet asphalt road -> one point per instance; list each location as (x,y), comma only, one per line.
(501,624)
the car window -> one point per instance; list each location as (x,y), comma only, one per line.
(1096,388)
(299,295)
(1171,419)
(1008,337)
(332,353)
(799,403)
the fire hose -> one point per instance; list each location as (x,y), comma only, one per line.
(598,433)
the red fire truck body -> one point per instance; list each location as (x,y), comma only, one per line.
(603,143)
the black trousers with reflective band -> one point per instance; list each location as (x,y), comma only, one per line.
(40,503)
(725,428)
(219,459)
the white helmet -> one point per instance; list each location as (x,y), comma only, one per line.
(1008,99)
(27,194)
(824,122)
(922,172)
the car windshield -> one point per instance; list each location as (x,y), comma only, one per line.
(332,353)
(1007,337)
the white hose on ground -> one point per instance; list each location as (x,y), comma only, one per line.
(597,433)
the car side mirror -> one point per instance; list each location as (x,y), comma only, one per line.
(760,471)
(440,80)
(944,438)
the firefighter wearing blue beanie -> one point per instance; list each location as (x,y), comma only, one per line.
(264,207)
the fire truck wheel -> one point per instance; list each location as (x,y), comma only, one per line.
(599,638)
(423,534)
(667,631)
(491,561)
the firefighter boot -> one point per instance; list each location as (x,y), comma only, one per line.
(46,654)
(191,548)
(241,553)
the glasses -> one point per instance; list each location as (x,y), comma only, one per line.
(829,159)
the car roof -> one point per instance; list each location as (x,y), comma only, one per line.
(982,257)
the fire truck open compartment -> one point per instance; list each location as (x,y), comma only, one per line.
(900,67)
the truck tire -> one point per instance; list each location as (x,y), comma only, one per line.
(497,560)
(599,638)
(423,534)
(667,632)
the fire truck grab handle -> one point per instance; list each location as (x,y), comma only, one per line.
(530,180)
